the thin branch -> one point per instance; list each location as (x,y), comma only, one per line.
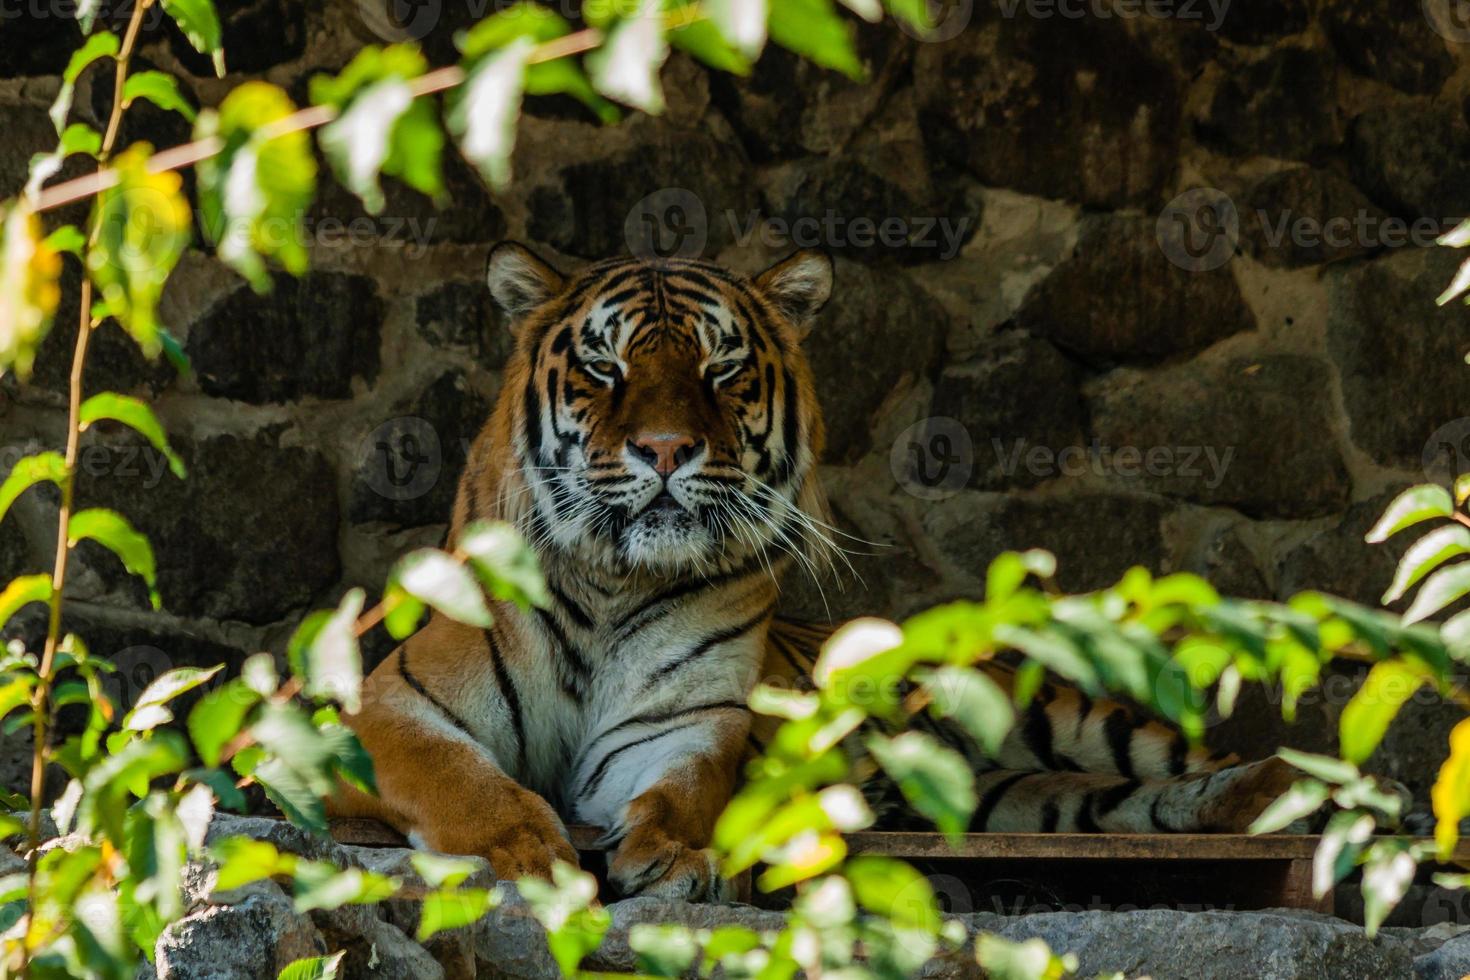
(312,117)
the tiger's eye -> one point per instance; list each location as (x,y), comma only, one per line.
(609,368)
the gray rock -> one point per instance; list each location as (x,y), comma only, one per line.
(879,329)
(1068,108)
(1096,537)
(1450,962)
(252,940)
(1164,944)
(1282,106)
(248,510)
(1264,21)
(1401,358)
(408,218)
(1337,560)
(1413,159)
(308,336)
(1248,433)
(1120,298)
(408,468)
(1305,216)
(1404,52)
(1230,565)
(462,316)
(1019,392)
(587,212)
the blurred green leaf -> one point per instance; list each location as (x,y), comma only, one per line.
(933,778)
(112,530)
(30,272)
(200,24)
(814,30)
(324,653)
(973,701)
(484,110)
(242,860)
(136,414)
(322,885)
(442,870)
(1305,798)
(445,909)
(76,138)
(663,950)
(438,580)
(625,67)
(103,44)
(704,41)
(742,23)
(1450,794)
(1365,719)
(143,226)
(1387,874)
(894,890)
(314,968)
(160,88)
(165,688)
(506,565)
(1325,767)
(254,194)
(1343,839)
(1033,959)
(1441,588)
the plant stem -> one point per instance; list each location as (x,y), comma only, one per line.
(188,154)
(41,701)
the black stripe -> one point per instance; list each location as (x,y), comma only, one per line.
(1178,757)
(1085,822)
(510,696)
(1037,735)
(1084,709)
(567,655)
(1110,799)
(595,781)
(577,614)
(664,602)
(1050,817)
(709,643)
(981,820)
(423,692)
(654,718)
(1118,728)
(1156,817)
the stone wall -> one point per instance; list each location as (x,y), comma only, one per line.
(1024,217)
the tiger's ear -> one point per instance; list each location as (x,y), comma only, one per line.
(799,286)
(519,280)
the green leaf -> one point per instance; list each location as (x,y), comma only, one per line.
(663,950)
(915,13)
(136,414)
(357,141)
(973,701)
(742,23)
(242,860)
(1305,798)
(76,138)
(1342,841)
(1458,285)
(30,470)
(112,530)
(1387,875)
(160,88)
(21,592)
(314,968)
(165,688)
(1416,504)
(323,652)
(933,778)
(563,76)
(1324,767)
(1033,959)
(894,890)
(435,578)
(814,30)
(704,40)
(446,909)
(128,771)
(1366,717)
(67,238)
(254,193)
(200,24)
(483,111)
(144,225)
(1442,588)
(1010,568)
(625,67)
(30,273)
(442,870)
(322,885)
(506,564)
(1425,555)
(17,691)
(299,801)
(103,44)
(403,612)
(562,906)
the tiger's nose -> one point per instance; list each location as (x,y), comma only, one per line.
(665,452)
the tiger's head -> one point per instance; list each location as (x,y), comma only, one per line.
(661,413)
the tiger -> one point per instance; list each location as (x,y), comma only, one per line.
(656,441)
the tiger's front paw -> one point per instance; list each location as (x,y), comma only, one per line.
(520,837)
(649,862)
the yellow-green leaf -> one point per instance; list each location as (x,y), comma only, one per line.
(1450,794)
(23,591)
(1366,718)
(1416,504)
(30,470)
(1442,588)
(103,44)
(200,24)
(30,270)
(1425,555)
(160,88)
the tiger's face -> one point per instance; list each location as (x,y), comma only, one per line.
(666,419)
